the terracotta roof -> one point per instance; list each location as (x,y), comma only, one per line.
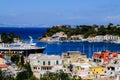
(46,66)
(3,65)
(1,56)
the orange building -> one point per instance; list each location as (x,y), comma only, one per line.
(104,56)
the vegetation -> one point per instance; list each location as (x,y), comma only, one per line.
(15,58)
(8,38)
(27,74)
(58,76)
(3,77)
(86,30)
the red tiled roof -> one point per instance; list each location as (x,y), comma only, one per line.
(1,56)
(3,65)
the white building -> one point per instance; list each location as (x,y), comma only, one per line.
(42,63)
(111,38)
(77,37)
(60,36)
(99,38)
(3,65)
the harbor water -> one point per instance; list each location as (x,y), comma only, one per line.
(57,48)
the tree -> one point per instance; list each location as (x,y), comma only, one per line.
(15,58)
(28,69)
(8,38)
(26,74)
(22,60)
(1,75)
(76,78)
(22,75)
(101,30)
(32,78)
(4,37)
(60,75)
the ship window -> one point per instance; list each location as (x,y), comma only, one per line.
(48,62)
(43,62)
(57,62)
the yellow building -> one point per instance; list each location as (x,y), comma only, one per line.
(74,56)
(97,70)
(81,66)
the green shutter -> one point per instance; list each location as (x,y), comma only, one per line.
(48,62)
(57,62)
(43,62)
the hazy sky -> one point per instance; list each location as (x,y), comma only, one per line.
(55,12)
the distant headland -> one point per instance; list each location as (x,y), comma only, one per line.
(92,33)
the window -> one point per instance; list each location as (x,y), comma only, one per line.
(43,62)
(48,62)
(34,67)
(38,61)
(111,72)
(57,62)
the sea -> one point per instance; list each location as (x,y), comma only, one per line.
(57,48)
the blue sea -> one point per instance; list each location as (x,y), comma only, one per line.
(59,47)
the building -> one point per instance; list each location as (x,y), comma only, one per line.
(41,63)
(111,38)
(80,66)
(105,57)
(99,38)
(76,37)
(97,70)
(91,39)
(3,65)
(59,36)
(73,56)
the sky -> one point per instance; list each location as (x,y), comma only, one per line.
(59,12)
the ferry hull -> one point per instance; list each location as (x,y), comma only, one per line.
(21,51)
